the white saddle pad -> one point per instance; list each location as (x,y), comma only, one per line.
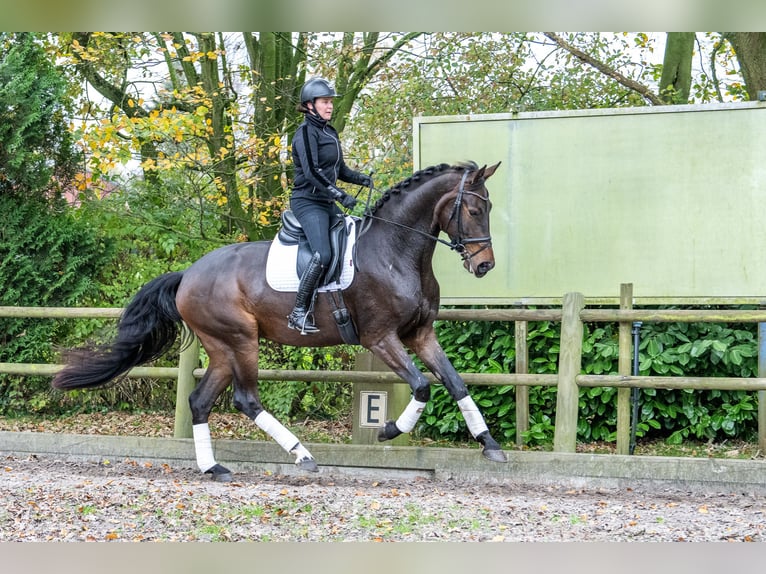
(280,265)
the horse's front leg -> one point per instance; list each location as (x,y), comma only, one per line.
(427,348)
(392,352)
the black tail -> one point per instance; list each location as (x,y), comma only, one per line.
(147,329)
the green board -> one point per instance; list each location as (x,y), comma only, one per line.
(670,199)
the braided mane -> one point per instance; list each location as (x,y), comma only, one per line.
(419,178)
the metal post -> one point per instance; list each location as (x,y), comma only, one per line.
(522,391)
(762,394)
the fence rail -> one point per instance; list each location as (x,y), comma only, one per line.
(568,380)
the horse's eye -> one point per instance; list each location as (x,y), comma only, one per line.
(474,212)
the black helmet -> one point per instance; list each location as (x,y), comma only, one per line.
(317,88)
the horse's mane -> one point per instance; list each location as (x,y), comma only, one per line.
(419,178)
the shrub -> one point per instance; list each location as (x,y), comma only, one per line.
(696,349)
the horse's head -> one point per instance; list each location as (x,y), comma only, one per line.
(465,218)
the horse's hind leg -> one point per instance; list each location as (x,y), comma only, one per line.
(201,401)
(247,400)
(426,346)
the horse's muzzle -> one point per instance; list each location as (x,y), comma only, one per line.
(480,263)
(483,268)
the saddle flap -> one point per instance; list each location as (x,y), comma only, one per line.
(291,231)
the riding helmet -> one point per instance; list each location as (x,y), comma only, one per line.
(317,88)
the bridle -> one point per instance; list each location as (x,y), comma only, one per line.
(458,244)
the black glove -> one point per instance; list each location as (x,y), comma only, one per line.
(348,201)
(364,180)
(345,199)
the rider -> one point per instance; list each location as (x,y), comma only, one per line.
(318,162)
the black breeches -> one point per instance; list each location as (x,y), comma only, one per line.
(315,219)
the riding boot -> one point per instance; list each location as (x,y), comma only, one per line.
(301,318)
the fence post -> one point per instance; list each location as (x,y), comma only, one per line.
(570,364)
(762,394)
(187,362)
(522,391)
(623,368)
(375,402)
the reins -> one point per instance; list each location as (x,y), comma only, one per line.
(455,245)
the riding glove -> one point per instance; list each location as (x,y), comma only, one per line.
(364,180)
(346,200)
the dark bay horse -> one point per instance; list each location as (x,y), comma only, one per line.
(225,300)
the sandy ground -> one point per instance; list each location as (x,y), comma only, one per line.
(43,499)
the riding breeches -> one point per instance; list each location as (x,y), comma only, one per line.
(315,218)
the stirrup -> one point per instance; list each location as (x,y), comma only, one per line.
(300,322)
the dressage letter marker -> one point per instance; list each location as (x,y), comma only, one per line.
(372,408)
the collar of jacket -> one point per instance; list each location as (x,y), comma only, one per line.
(316,120)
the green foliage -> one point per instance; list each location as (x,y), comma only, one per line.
(47,258)
(666,349)
(36,154)
(298,400)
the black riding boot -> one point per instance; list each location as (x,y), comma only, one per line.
(301,319)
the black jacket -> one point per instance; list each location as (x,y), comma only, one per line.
(318,161)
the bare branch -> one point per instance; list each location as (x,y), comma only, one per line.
(606,70)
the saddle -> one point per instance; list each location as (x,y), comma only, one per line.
(292,233)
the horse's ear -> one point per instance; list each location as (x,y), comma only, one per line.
(478,175)
(483,173)
(490,170)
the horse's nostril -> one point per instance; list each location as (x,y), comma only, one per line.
(485,266)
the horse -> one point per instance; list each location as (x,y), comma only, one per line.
(224,299)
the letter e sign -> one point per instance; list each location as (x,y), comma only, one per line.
(372,410)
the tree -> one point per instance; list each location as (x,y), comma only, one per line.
(36,153)
(47,255)
(676,80)
(204,113)
(750,48)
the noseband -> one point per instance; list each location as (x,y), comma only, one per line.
(460,242)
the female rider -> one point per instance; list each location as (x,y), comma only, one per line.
(318,163)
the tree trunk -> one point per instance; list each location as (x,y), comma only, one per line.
(750,48)
(676,80)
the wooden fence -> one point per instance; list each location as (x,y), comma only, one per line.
(568,380)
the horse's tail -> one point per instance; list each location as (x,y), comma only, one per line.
(148,327)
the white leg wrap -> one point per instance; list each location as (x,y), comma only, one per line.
(472,416)
(410,416)
(284,438)
(203,447)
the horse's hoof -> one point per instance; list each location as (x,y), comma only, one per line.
(307,464)
(388,431)
(220,473)
(495,455)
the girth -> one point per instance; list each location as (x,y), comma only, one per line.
(292,233)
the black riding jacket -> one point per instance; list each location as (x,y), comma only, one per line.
(318,161)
